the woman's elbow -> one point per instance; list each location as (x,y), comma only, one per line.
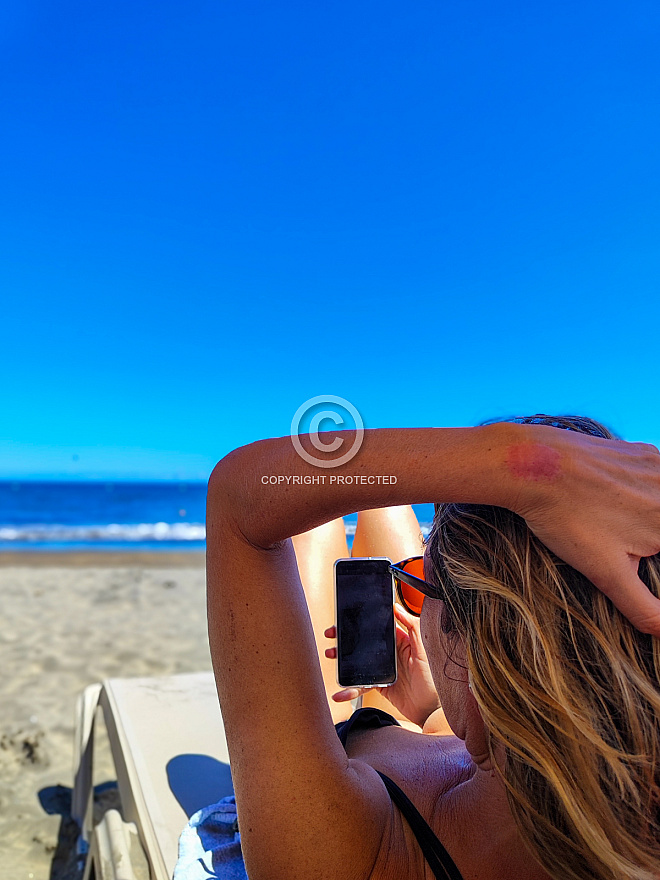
(234,493)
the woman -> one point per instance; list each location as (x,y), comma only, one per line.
(503,805)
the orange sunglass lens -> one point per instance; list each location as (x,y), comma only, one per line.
(412,598)
(415,567)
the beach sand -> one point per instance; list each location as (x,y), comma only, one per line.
(69,620)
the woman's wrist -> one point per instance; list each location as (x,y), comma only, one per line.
(525,464)
(425,712)
(436,724)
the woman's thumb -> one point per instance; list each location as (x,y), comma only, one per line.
(630,594)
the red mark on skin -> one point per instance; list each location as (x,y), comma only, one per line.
(530,461)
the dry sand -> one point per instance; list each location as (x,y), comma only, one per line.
(69,620)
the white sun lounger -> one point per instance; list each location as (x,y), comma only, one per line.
(170,754)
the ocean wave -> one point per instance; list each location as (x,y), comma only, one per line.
(424,527)
(95,534)
(120,534)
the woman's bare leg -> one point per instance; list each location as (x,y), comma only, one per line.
(389,531)
(393,532)
(316,552)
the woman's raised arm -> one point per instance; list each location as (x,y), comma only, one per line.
(594,502)
(302,805)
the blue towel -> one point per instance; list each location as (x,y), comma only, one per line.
(210,845)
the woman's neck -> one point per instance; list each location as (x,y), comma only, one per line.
(476,825)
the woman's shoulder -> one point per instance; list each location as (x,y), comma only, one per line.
(425,766)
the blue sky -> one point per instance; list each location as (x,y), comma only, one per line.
(214,211)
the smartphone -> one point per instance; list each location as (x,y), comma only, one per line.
(366,633)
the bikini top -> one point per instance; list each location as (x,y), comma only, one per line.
(441,863)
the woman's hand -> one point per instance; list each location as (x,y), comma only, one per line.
(596,504)
(414,693)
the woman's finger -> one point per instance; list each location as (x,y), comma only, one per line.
(330,632)
(402,644)
(347,694)
(412,626)
(331,653)
(630,595)
(405,617)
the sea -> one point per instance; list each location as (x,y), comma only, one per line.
(113,515)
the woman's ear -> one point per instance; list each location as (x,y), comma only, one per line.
(476,735)
(468,723)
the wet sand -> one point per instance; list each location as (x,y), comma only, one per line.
(69,620)
(101,559)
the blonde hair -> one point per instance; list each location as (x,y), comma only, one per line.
(564,683)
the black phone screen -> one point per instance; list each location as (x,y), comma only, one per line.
(366,639)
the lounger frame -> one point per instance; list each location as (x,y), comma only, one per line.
(150,722)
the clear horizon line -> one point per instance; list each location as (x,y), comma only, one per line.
(100,478)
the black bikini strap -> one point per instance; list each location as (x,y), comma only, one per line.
(440,862)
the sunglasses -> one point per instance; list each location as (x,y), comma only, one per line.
(411,588)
